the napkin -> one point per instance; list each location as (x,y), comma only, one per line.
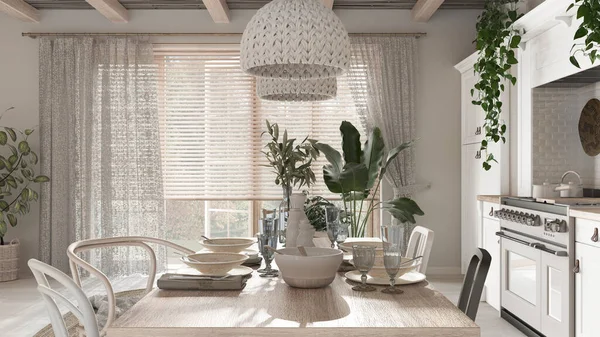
(201,282)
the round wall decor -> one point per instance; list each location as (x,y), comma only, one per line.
(589,127)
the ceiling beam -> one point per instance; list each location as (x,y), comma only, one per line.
(328,3)
(111,9)
(424,9)
(218,10)
(20,9)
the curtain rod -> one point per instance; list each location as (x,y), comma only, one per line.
(36,35)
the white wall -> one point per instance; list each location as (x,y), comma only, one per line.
(448,41)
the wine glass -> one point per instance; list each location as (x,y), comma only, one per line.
(363,258)
(332,219)
(391,237)
(268,236)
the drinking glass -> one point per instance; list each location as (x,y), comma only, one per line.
(332,219)
(364,258)
(391,237)
(268,236)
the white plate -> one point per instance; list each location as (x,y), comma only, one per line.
(408,278)
(239,270)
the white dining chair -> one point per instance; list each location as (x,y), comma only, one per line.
(76,261)
(82,310)
(420,244)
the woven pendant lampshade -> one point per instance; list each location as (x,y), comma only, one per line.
(274,89)
(295,39)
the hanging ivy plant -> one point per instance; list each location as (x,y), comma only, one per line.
(496,43)
(589,30)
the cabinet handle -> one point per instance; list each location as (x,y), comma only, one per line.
(576,269)
(492,211)
(478,131)
(595,236)
(478,155)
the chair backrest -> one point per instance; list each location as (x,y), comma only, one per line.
(420,244)
(83,310)
(125,241)
(470,295)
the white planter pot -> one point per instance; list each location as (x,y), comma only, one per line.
(9,261)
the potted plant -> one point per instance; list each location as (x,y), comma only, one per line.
(17,177)
(357,177)
(587,36)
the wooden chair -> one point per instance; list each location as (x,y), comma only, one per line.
(83,310)
(420,244)
(470,295)
(127,241)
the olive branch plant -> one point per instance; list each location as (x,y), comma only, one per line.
(496,43)
(17,174)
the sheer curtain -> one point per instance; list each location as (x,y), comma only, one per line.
(100,146)
(382,79)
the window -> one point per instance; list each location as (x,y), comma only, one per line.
(210,131)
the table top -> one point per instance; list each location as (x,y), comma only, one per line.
(269,307)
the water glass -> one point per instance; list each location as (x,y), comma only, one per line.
(332,220)
(363,258)
(391,237)
(268,236)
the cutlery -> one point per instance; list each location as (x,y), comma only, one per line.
(273,250)
(187,257)
(302,250)
(411,260)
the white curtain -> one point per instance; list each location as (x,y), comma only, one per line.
(100,146)
(382,79)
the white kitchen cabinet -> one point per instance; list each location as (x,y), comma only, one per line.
(491,243)
(474,179)
(587,290)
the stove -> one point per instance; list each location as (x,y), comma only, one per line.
(537,245)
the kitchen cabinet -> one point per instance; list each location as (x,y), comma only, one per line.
(587,279)
(474,179)
(491,243)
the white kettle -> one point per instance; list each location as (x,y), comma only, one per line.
(571,189)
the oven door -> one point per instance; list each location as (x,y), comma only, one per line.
(557,293)
(521,279)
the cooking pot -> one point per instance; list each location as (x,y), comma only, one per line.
(546,190)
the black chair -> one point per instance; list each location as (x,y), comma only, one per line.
(470,295)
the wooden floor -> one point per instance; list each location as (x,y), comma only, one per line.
(24,313)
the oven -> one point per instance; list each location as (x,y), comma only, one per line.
(537,282)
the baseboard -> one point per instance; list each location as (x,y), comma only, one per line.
(443,271)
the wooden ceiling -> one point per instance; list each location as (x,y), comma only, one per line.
(117,10)
(250,4)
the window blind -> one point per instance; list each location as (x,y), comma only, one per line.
(211,123)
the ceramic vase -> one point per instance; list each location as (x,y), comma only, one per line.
(299,230)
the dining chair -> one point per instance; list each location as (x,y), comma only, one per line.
(470,294)
(76,261)
(82,310)
(420,244)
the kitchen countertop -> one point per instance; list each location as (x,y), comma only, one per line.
(490,198)
(589,213)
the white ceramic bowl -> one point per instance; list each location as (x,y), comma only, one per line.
(378,271)
(214,264)
(227,245)
(347,246)
(316,270)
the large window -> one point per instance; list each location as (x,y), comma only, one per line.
(210,130)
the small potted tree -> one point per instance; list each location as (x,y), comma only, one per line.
(17,177)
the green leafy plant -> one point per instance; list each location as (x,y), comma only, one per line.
(588,31)
(314,208)
(357,177)
(291,163)
(495,43)
(17,175)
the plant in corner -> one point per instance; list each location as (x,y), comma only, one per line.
(17,175)
(496,43)
(357,177)
(589,30)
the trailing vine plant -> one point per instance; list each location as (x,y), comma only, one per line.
(589,29)
(496,43)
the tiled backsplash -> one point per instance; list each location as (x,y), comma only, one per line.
(556,145)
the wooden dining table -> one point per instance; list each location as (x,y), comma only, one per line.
(267,307)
